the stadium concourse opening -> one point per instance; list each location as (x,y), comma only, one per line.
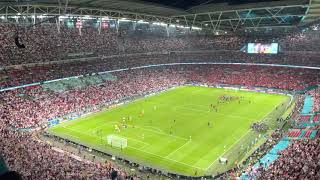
(150,89)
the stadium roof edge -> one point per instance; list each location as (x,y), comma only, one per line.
(313,12)
(149,8)
(288,13)
(88,8)
(132,6)
(204,9)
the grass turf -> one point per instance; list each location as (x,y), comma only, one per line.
(161,137)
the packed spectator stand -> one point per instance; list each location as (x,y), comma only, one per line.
(45,43)
(300,159)
(295,78)
(49,105)
(33,106)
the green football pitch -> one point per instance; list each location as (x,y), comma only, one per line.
(175,131)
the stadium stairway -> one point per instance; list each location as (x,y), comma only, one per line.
(313,134)
(269,158)
(306,125)
(3,167)
(273,154)
(308,121)
(308,105)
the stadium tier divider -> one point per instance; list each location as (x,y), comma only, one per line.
(78,82)
(168,64)
(108,77)
(310,88)
(92,80)
(55,86)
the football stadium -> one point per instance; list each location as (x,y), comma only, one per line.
(159,89)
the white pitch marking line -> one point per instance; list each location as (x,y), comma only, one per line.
(166,158)
(70,135)
(177,137)
(87,134)
(227,115)
(229,148)
(161,133)
(178,149)
(185,106)
(99,127)
(158,129)
(239,139)
(147,152)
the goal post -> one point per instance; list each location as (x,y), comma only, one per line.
(117,141)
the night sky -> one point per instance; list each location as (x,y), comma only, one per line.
(186,4)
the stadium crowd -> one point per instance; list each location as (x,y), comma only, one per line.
(254,157)
(34,159)
(33,106)
(293,78)
(22,108)
(30,106)
(250,76)
(300,161)
(46,43)
(305,40)
(316,98)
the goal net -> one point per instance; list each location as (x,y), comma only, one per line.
(116,141)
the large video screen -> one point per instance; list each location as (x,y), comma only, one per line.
(259,48)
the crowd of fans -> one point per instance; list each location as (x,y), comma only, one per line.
(46,43)
(255,157)
(223,56)
(34,159)
(151,44)
(307,40)
(27,75)
(30,106)
(293,78)
(259,127)
(301,160)
(316,98)
(270,77)
(33,106)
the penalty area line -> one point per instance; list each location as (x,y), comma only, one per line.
(140,149)
(166,158)
(229,149)
(178,149)
(161,133)
(262,120)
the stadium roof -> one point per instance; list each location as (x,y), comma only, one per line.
(214,14)
(133,6)
(190,4)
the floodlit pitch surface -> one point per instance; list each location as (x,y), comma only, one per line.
(174,134)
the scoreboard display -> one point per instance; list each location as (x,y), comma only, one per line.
(259,48)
